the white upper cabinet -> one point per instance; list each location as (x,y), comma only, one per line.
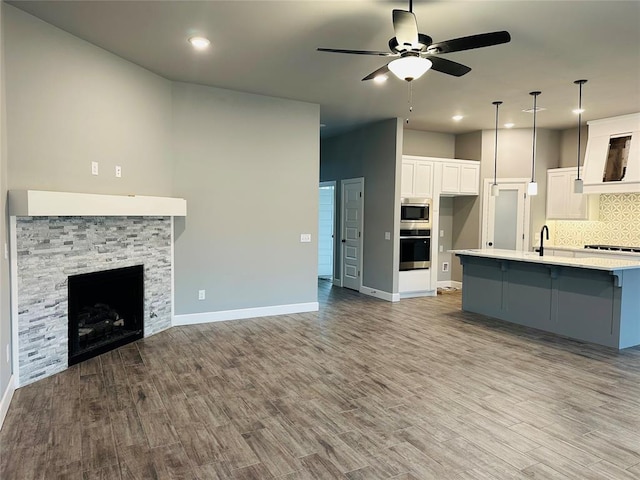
(417,178)
(460,177)
(449,177)
(563,203)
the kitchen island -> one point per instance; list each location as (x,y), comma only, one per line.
(591,299)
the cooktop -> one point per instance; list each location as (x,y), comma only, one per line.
(614,248)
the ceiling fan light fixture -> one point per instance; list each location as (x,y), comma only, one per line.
(410,67)
(509,125)
(457,118)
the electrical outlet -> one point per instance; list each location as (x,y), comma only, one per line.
(441,233)
(441,248)
(201,294)
(305,237)
(6,251)
(94,168)
(387,235)
(445,266)
(118,171)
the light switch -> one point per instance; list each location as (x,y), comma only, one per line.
(387,235)
(305,237)
(441,233)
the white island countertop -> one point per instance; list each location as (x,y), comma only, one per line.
(593,263)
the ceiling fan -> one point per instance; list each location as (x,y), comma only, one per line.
(417,53)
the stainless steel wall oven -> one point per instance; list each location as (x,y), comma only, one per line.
(415,249)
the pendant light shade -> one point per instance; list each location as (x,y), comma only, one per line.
(410,67)
(495,190)
(532,187)
(578,184)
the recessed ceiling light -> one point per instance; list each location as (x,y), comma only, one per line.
(380,79)
(457,118)
(509,125)
(578,110)
(531,110)
(199,43)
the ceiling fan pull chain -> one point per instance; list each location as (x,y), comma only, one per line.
(409,100)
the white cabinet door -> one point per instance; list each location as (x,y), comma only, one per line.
(423,179)
(563,203)
(556,195)
(450,178)
(407,178)
(469,179)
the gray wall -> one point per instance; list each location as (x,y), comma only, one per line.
(70,103)
(445,226)
(248,167)
(375,153)
(465,227)
(5,318)
(569,146)
(428,144)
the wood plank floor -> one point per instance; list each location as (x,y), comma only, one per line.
(363,389)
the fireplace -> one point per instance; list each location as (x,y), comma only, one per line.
(106,311)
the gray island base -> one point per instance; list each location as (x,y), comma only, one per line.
(590,299)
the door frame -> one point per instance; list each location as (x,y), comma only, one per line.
(343,182)
(331,183)
(486,193)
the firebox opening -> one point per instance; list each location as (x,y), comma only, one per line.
(106,311)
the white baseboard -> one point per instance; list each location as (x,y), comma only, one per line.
(449,284)
(389,297)
(223,315)
(337,282)
(6,400)
(426,293)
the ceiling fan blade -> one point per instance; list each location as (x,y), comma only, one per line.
(469,43)
(406,28)
(443,65)
(356,52)
(380,71)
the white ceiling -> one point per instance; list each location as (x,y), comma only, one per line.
(268,47)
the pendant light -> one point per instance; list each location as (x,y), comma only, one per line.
(578,184)
(495,190)
(532,187)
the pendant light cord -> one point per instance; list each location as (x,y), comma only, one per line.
(535,111)
(495,151)
(580,83)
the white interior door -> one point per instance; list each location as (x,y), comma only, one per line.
(326,213)
(351,240)
(505,217)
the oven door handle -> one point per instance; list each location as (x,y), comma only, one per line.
(413,238)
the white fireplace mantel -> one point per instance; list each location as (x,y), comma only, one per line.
(40,203)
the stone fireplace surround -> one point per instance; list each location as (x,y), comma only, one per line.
(46,249)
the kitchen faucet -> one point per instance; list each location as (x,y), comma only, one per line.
(544,227)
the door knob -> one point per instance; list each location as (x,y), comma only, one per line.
(344,241)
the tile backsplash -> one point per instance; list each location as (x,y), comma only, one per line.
(619,224)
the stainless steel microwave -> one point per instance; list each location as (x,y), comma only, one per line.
(415,213)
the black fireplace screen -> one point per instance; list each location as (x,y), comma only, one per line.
(106,311)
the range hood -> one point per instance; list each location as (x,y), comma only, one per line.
(612,161)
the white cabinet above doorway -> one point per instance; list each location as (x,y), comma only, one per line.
(422,176)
